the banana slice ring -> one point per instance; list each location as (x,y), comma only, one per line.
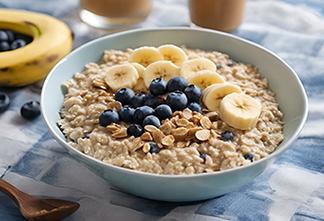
(145,56)
(173,53)
(213,94)
(240,111)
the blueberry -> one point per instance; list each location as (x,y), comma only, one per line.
(18,43)
(138,100)
(30,110)
(227,136)
(203,156)
(177,83)
(126,114)
(124,95)
(249,156)
(135,130)
(3,35)
(177,100)
(108,117)
(152,101)
(154,148)
(158,86)
(194,107)
(193,93)
(163,111)
(11,36)
(151,120)
(4,46)
(4,102)
(141,112)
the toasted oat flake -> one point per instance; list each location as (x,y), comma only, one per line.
(187,113)
(214,134)
(112,128)
(98,83)
(205,122)
(212,115)
(137,144)
(120,133)
(150,128)
(202,135)
(158,136)
(168,140)
(146,136)
(195,119)
(116,105)
(181,131)
(166,127)
(146,148)
(182,122)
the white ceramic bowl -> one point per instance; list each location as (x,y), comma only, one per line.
(283,80)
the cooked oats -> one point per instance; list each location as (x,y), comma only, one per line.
(183,138)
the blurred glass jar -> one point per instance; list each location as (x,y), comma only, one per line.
(223,15)
(111,14)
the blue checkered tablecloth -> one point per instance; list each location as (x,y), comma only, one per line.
(292,188)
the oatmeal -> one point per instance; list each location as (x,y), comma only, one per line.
(171,110)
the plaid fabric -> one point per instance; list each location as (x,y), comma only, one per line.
(292,188)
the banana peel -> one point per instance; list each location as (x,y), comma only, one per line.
(52,40)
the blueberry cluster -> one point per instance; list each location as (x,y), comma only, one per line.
(150,109)
(10,40)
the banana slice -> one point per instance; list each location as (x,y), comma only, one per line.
(240,111)
(213,94)
(119,76)
(205,78)
(140,69)
(140,85)
(195,65)
(173,53)
(145,55)
(160,69)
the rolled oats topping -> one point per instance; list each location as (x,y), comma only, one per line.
(171,110)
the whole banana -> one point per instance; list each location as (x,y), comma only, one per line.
(52,40)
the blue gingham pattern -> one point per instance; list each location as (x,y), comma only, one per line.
(292,188)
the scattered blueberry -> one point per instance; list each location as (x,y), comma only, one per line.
(227,136)
(203,156)
(249,156)
(108,117)
(135,130)
(151,120)
(163,111)
(177,83)
(138,100)
(3,36)
(193,93)
(124,95)
(4,102)
(154,148)
(126,114)
(177,100)
(17,44)
(158,86)
(152,101)
(141,112)
(194,107)
(4,46)
(30,110)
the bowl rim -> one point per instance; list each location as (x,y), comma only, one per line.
(172,176)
